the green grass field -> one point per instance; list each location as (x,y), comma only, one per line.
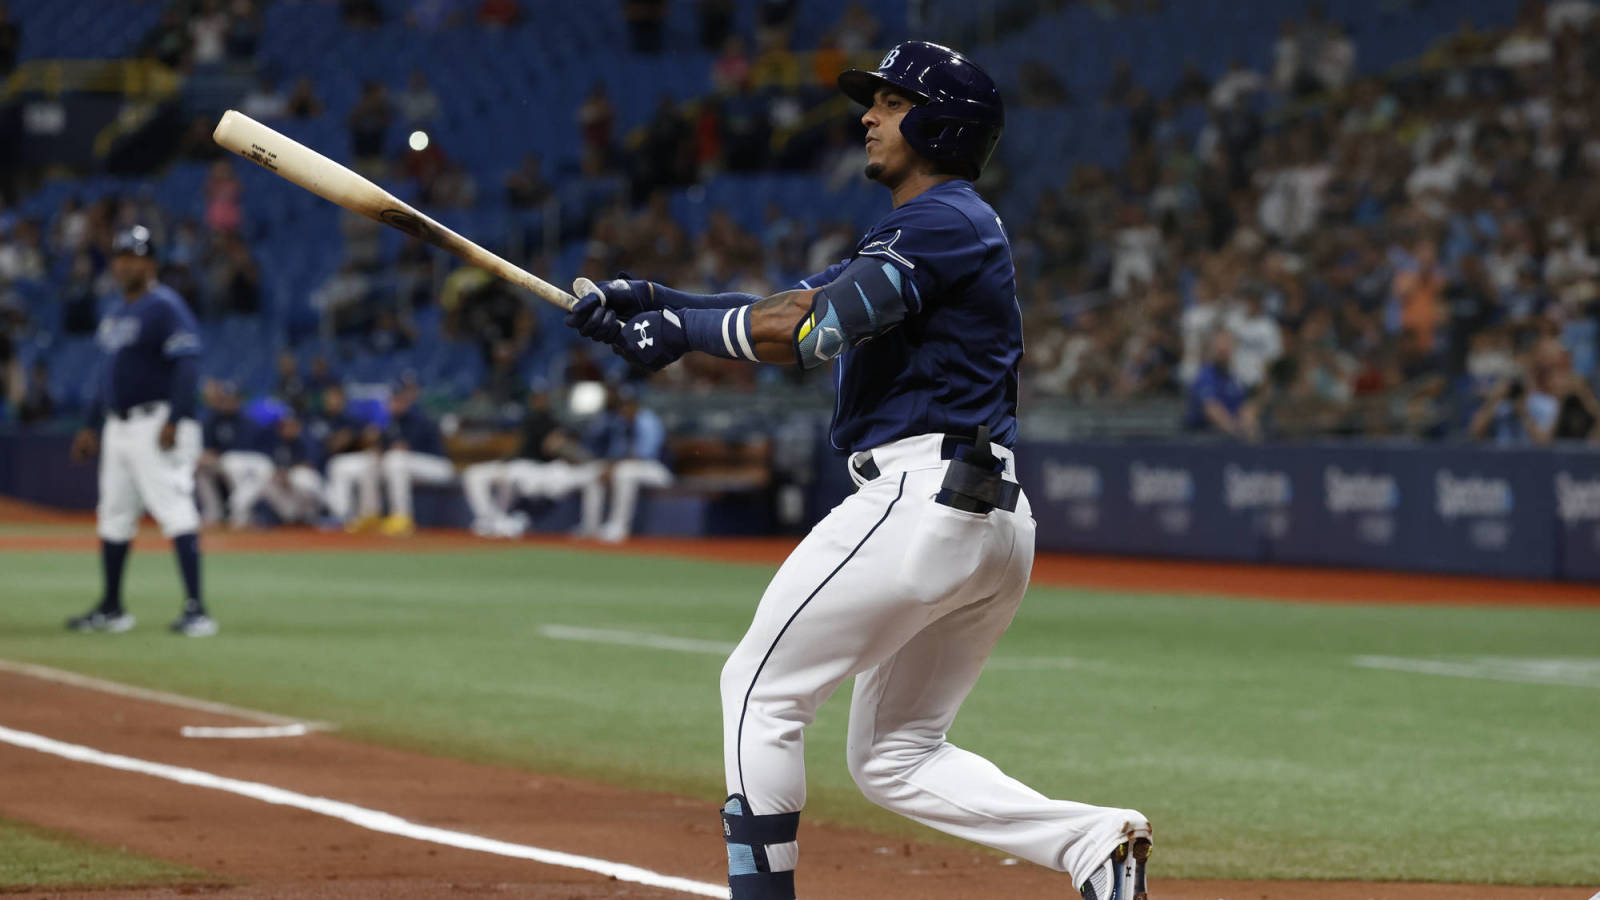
(1252,740)
(40,858)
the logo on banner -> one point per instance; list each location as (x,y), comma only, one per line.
(1265,492)
(1486,503)
(1077,486)
(1171,491)
(1372,499)
(1577,499)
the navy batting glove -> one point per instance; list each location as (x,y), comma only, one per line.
(594,320)
(653,340)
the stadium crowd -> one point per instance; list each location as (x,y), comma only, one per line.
(1412,253)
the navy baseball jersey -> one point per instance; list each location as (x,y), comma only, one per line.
(951,366)
(418,432)
(286,452)
(144,342)
(224,431)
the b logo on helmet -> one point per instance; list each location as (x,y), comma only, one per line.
(889,59)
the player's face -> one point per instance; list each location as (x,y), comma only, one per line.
(889,157)
(132,273)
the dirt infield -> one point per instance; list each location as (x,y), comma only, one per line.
(257,849)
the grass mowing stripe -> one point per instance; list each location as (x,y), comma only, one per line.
(361,817)
(1257,748)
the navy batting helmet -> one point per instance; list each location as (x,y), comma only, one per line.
(136,241)
(958,115)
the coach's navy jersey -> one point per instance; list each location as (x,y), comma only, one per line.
(224,431)
(418,432)
(951,366)
(143,341)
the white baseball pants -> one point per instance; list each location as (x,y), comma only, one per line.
(627,477)
(491,487)
(909,596)
(137,475)
(403,467)
(353,474)
(248,473)
(295,494)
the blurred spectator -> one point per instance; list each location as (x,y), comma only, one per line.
(196,142)
(243,36)
(1257,339)
(224,207)
(37,404)
(596,118)
(549,463)
(666,152)
(342,301)
(265,101)
(418,104)
(1519,410)
(716,23)
(235,279)
(390,333)
(1419,292)
(80,301)
(1235,85)
(499,13)
(1040,87)
(857,30)
(290,387)
(208,25)
(21,254)
(646,19)
(10,41)
(361,13)
(732,66)
(303,101)
(525,185)
(168,42)
(413,452)
(1217,401)
(369,123)
(774,23)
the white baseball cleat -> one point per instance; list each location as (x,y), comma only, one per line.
(1122,875)
(95,620)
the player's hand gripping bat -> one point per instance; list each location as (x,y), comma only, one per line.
(322,176)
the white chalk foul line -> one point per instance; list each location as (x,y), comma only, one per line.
(1519,670)
(370,819)
(723,648)
(73,679)
(245,733)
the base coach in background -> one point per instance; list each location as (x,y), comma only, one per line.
(142,420)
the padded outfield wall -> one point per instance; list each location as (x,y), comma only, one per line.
(1464,510)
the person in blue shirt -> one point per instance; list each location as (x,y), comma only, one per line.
(908,583)
(629,441)
(1217,401)
(142,422)
(413,452)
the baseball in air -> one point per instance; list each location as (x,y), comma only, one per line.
(418,140)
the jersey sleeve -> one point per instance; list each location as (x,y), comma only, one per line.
(821,278)
(933,245)
(180,332)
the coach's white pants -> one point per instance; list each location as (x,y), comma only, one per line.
(403,467)
(248,473)
(909,596)
(353,474)
(137,475)
(492,487)
(626,478)
(295,494)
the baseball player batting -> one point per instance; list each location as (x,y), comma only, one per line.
(143,406)
(909,583)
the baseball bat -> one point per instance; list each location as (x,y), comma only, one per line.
(287,158)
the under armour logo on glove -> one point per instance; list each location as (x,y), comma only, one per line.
(653,340)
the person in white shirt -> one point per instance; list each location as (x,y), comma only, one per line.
(1257,338)
(1203,317)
